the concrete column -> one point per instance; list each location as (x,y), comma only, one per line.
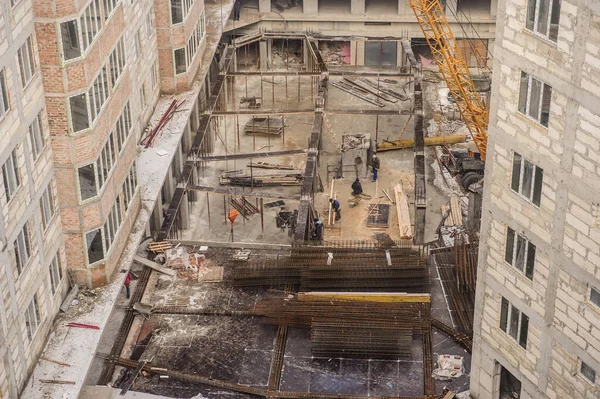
(193,195)
(184,213)
(157,216)
(310,7)
(404,7)
(400,55)
(264,6)
(359,56)
(493,8)
(262,46)
(169,184)
(357,7)
(451,7)
(269,53)
(491,44)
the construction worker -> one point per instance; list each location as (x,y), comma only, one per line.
(127,282)
(335,205)
(237,6)
(318,234)
(375,165)
(356,187)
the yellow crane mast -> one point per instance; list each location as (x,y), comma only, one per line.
(453,68)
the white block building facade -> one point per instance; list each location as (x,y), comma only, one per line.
(537,318)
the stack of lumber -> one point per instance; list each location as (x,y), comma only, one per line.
(454,211)
(403,212)
(266,165)
(285,178)
(264,126)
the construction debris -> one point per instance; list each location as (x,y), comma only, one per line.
(154,266)
(251,102)
(242,255)
(357,92)
(448,367)
(268,126)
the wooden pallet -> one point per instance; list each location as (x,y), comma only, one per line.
(157,247)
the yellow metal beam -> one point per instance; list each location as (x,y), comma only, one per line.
(429,141)
(391,297)
(454,69)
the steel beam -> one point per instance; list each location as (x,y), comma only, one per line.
(232,191)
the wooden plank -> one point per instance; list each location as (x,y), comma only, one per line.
(69,299)
(58,382)
(429,141)
(131,379)
(365,297)
(54,361)
(403,212)
(456,211)
(154,266)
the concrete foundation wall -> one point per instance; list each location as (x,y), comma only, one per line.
(563,323)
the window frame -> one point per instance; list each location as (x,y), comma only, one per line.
(533,29)
(47,207)
(87,246)
(12,177)
(526,112)
(526,269)
(94,15)
(95,166)
(582,374)
(592,289)
(21,246)
(55,270)
(36,317)
(27,63)
(506,323)
(150,27)
(185,63)
(37,139)
(185,6)
(536,171)
(4,97)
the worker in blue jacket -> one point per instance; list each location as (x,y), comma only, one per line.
(335,205)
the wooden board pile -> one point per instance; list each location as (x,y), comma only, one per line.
(454,211)
(403,212)
(259,126)
(255,179)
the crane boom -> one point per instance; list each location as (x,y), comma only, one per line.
(453,68)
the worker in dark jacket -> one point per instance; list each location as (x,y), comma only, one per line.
(335,205)
(318,234)
(356,187)
(375,165)
(237,6)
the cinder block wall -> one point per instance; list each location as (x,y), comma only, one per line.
(20,345)
(564,323)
